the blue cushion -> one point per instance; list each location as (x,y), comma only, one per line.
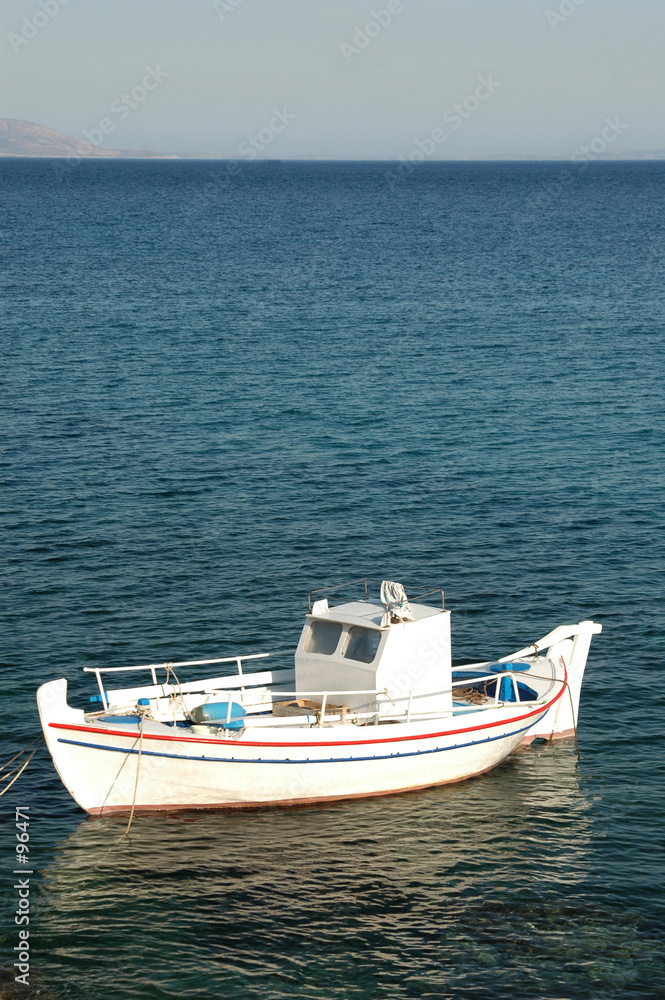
(216,712)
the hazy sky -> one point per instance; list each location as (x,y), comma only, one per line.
(528,76)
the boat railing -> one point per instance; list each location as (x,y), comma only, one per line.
(493,701)
(211,686)
(169,667)
(363,579)
(428,593)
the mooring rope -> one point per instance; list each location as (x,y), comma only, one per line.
(18,771)
(37,740)
(143,715)
(144,712)
(12,774)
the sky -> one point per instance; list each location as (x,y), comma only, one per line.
(354,78)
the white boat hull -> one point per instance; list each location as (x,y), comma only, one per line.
(110,768)
(376,708)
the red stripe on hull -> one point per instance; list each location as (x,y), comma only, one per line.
(324,743)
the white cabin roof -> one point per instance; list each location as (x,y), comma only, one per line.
(368,613)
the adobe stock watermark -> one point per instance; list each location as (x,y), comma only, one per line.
(22,886)
(255,144)
(123,105)
(578,161)
(610,133)
(455,117)
(31,26)
(364,34)
(565,10)
(121,108)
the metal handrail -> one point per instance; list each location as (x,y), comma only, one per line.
(411,693)
(363,579)
(168,664)
(494,703)
(437,590)
(324,695)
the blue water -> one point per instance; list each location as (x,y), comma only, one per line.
(220,391)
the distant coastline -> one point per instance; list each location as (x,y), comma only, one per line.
(29,139)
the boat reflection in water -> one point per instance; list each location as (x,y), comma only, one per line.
(410,895)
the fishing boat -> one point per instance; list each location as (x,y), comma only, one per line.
(371,706)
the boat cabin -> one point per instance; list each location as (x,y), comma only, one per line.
(365,646)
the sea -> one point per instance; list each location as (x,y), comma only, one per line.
(226,385)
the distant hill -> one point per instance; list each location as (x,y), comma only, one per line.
(18,138)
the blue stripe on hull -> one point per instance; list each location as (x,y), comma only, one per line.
(308,760)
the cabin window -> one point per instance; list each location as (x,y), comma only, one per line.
(323,637)
(361,644)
